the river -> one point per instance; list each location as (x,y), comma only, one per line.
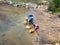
(12,29)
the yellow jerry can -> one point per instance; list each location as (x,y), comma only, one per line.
(25,22)
(31,30)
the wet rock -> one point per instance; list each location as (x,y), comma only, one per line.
(3,35)
(59,16)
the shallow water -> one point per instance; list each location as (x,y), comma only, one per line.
(12,25)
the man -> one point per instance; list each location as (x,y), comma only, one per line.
(30,18)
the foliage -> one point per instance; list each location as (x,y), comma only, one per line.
(54,5)
(57,10)
(57,3)
(51,7)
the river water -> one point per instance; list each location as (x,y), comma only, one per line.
(13,31)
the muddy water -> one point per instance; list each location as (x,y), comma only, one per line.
(13,30)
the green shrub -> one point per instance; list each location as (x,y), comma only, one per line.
(52,7)
(57,3)
(57,10)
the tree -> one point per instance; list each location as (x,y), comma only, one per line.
(57,3)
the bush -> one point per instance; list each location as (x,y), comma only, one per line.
(57,3)
(58,10)
(54,6)
(51,7)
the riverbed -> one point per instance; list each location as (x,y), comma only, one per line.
(12,29)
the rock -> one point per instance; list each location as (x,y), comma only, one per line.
(57,43)
(48,44)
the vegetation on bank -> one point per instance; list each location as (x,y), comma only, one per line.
(54,6)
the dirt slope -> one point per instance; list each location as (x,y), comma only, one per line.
(49,31)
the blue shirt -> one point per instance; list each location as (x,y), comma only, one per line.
(30,19)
